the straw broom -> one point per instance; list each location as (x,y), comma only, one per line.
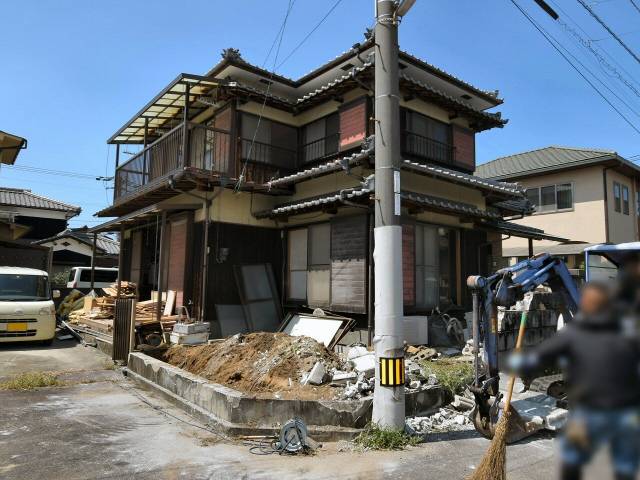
(494,464)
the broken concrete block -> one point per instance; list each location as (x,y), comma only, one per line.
(188,328)
(343,378)
(365,364)
(414,385)
(357,351)
(316,375)
(351,391)
(462,404)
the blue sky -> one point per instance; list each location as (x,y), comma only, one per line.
(74,71)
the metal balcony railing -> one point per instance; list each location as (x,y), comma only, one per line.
(321,148)
(425,148)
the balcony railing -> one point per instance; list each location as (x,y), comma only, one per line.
(321,148)
(209,149)
(425,148)
(262,161)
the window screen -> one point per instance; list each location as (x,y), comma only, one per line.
(533,194)
(547,198)
(318,278)
(565,196)
(625,200)
(427,266)
(297,264)
(616,196)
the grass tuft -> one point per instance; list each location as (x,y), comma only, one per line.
(30,380)
(452,375)
(374,437)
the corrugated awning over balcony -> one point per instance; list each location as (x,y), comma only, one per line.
(166,107)
(10,146)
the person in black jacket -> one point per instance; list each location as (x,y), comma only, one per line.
(601,362)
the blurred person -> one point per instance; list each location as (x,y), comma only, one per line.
(602,373)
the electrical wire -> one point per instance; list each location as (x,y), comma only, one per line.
(322,20)
(279,37)
(635,5)
(608,29)
(555,44)
(47,171)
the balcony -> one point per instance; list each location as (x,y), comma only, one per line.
(426,149)
(212,152)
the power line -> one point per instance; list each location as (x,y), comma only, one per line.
(553,42)
(635,5)
(608,29)
(297,47)
(47,171)
(279,37)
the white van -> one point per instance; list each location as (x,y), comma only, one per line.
(27,312)
(80,277)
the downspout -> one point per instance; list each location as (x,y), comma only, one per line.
(606,204)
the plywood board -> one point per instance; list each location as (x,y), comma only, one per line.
(171,301)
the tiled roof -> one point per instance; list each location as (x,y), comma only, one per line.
(18,197)
(494,119)
(104,243)
(458,177)
(328,86)
(429,201)
(543,159)
(524,231)
(332,166)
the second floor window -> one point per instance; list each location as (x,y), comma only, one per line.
(625,200)
(320,138)
(617,195)
(551,198)
(275,143)
(426,137)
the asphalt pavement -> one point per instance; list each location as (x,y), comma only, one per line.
(103,425)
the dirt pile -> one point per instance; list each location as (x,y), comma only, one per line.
(263,364)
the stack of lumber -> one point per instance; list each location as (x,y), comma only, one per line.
(127,290)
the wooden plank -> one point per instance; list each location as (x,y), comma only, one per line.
(171,301)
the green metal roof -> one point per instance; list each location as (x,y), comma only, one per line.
(545,160)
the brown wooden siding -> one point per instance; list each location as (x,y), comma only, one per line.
(178,260)
(353,124)
(349,264)
(464,143)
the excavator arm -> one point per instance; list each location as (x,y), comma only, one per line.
(503,289)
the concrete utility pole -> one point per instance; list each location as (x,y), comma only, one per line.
(388,398)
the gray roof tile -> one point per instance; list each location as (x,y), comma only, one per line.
(18,197)
(543,159)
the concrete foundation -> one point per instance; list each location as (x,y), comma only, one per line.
(238,413)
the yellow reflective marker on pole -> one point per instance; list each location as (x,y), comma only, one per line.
(391,372)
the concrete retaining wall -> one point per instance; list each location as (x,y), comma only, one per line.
(242,413)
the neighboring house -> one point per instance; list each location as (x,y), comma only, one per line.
(27,217)
(10,146)
(287,188)
(586,195)
(74,248)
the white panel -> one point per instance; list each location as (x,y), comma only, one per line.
(298,249)
(322,330)
(318,287)
(298,285)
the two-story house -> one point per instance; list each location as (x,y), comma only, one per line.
(586,195)
(240,166)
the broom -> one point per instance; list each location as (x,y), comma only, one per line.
(494,464)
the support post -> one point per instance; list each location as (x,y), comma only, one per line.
(163,222)
(185,132)
(388,399)
(530,244)
(205,260)
(93,260)
(120,262)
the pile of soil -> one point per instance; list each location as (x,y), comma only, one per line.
(262,364)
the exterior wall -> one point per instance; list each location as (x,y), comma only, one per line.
(622,228)
(585,222)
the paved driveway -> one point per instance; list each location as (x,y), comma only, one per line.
(111,428)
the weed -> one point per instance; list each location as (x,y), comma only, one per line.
(374,437)
(30,380)
(452,375)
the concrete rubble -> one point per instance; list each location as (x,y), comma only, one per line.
(443,420)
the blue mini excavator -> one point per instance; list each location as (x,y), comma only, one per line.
(503,289)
